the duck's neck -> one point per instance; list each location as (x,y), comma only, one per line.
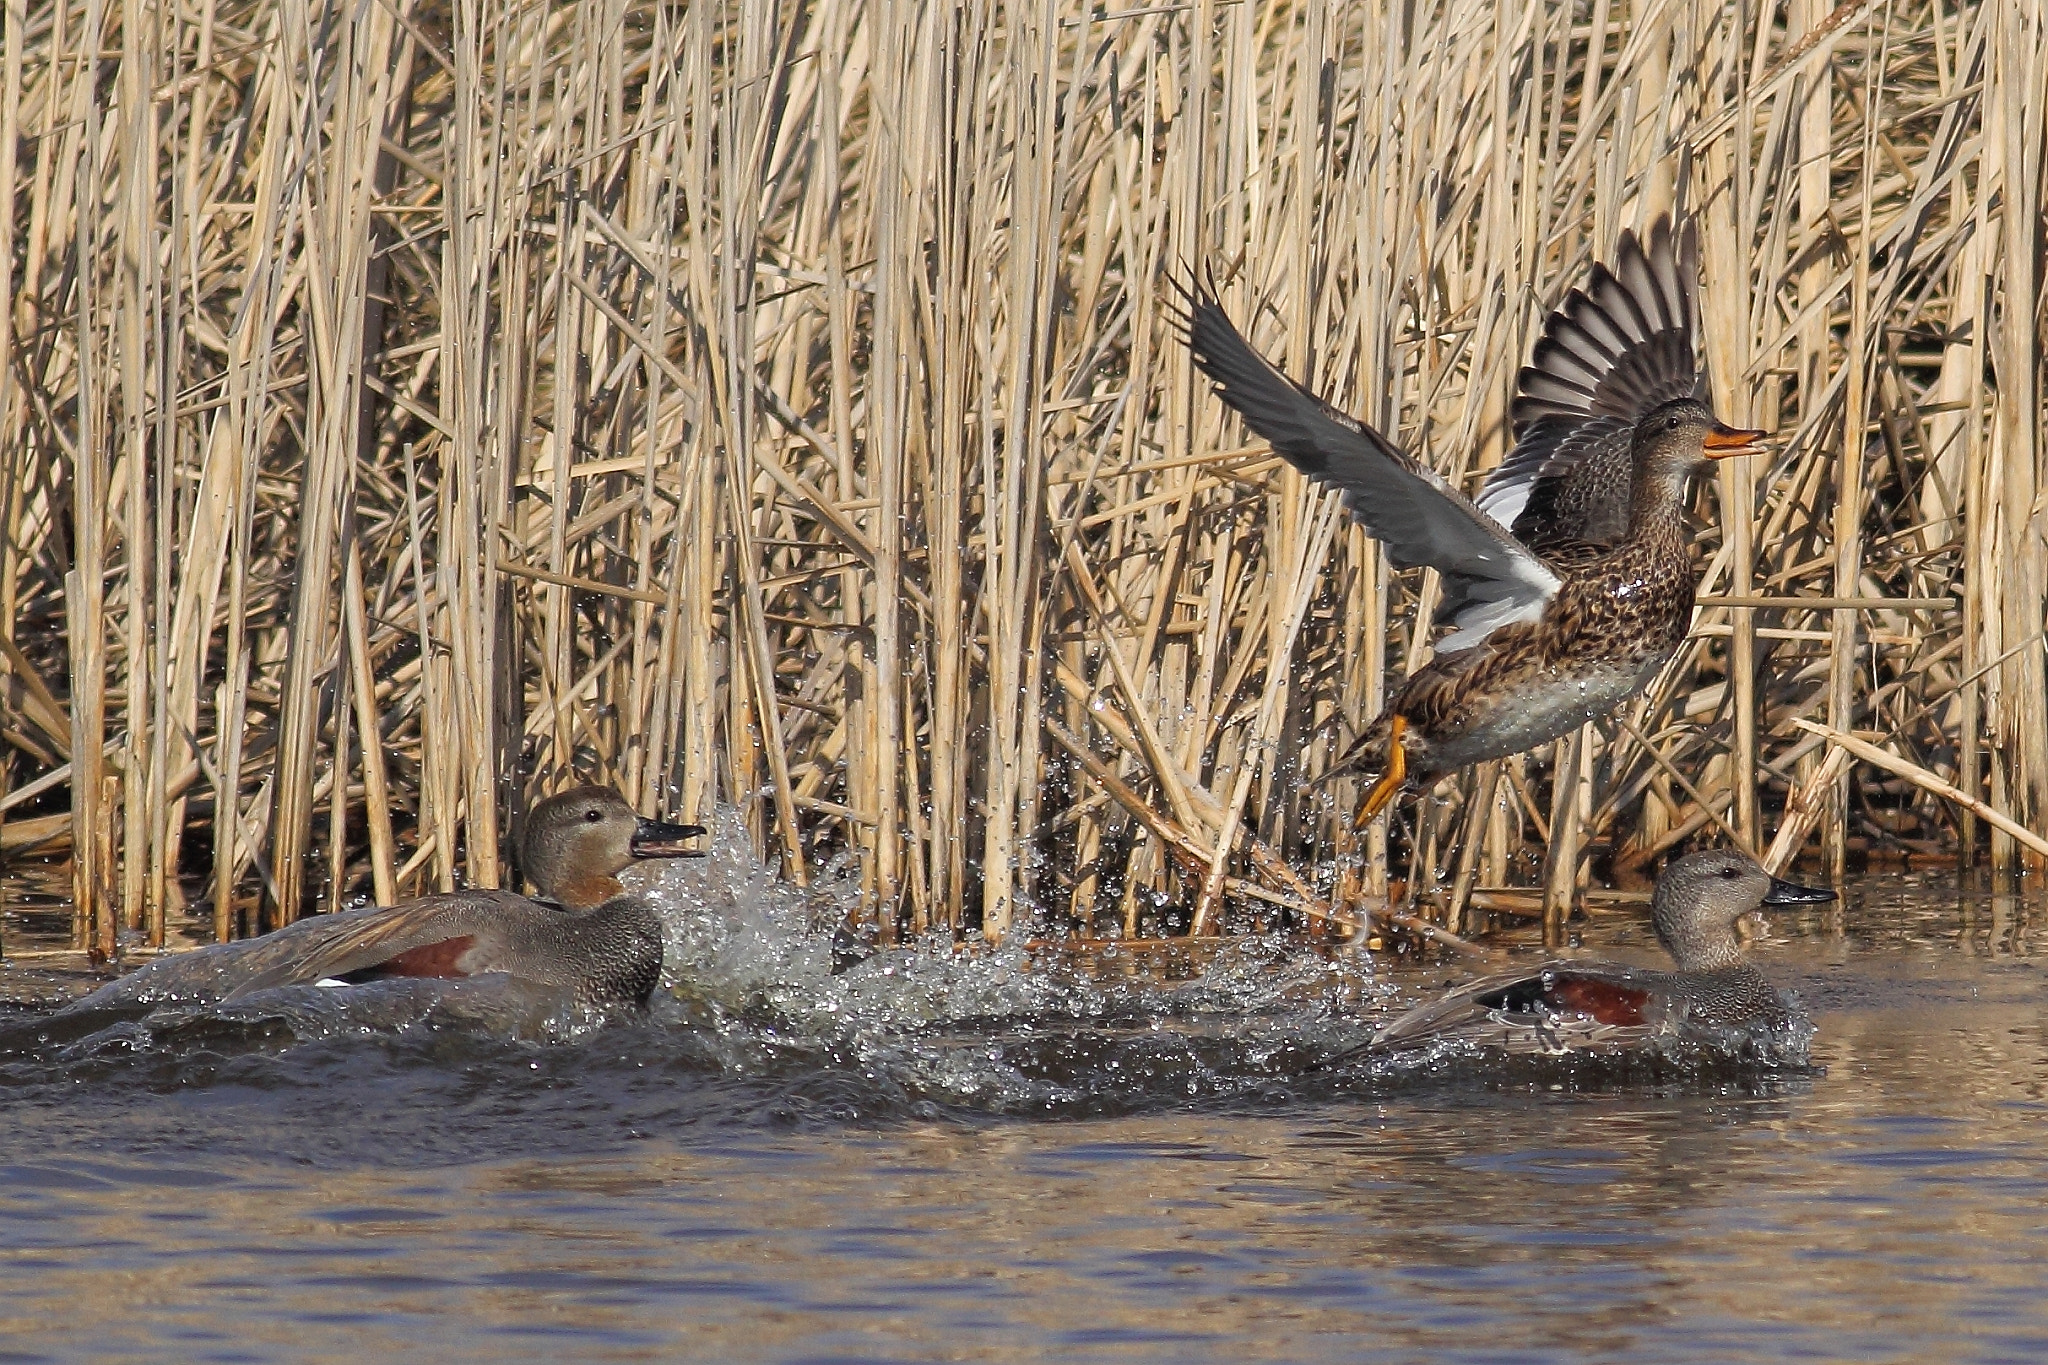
(1657,506)
(586,892)
(1695,947)
(1714,957)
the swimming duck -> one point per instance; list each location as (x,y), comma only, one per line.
(581,932)
(1564,1006)
(1569,583)
(594,940)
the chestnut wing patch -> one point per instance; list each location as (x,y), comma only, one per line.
(442,960)
(1606,1002)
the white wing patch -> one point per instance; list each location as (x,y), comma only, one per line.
(1504,501)
(1493,605)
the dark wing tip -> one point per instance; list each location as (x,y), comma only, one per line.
(1628,307)
(1185,292)
(1220,351)
(1659,237)
(1188,292)
(1193,290)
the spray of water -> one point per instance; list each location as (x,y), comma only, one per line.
(750,998)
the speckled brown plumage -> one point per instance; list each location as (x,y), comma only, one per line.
(1618,612)
(1572,612)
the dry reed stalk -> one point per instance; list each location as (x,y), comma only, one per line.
(2020,714)
(418,408)
(1804,810)
(1928,782)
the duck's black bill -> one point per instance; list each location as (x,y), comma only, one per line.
(1792,893)
(658,839)
(1724,440)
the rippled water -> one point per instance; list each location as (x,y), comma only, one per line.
(929,1159)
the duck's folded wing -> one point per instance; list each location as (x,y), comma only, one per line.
(1444,1016)
(1598,999)
(426,937)
(210,973)
(1489,579)
(1611,352)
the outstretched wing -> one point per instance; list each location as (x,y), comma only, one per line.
(1489,579)
(1610,353)
(426,937)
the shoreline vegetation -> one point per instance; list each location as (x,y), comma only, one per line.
(413,408)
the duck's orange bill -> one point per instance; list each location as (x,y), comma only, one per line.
(1724,440)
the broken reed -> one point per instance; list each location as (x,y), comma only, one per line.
(415,405)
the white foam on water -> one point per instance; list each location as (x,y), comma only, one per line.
(749,959)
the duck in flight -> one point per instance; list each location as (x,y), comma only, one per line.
(1569,582)
(581,933)
(1566,1006)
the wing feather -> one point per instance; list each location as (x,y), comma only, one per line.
(1495,1008)
(1555,356)
(1587,351)
(1489,577)
(1613,350)
(1579,314)
(1543,386)
(380,937)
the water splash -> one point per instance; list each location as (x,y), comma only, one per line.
(1008,1029)
(751,1008)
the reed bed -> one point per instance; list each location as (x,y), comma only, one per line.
(413,406)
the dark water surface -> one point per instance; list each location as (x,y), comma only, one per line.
(928,1160)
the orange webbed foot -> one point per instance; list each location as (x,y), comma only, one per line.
(1384,790)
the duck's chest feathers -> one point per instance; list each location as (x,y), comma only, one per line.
(1728,997)
(1629,606)
(621,945)
(1618,615)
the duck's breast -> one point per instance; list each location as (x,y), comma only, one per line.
(1731,997)
(1546,703)
(608,955)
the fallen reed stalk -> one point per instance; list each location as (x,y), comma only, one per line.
(414,406)
(1926,781)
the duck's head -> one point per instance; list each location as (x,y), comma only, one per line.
(1673,439)
(576,842)
(1701,897)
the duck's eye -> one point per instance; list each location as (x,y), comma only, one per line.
(1670,424)
(1729,874)
(592,815)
